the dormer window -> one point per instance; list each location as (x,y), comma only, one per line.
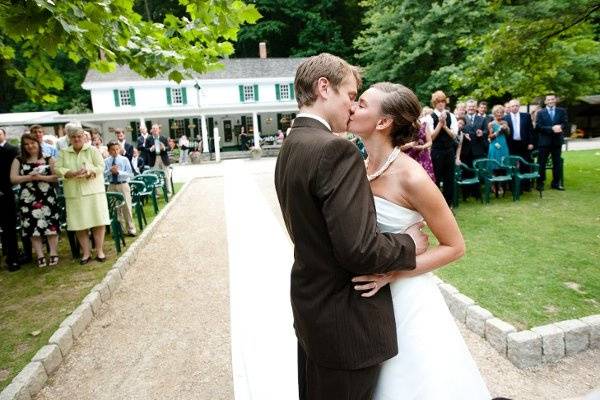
(176,96)
(284,91)
(248,93)
(124,97)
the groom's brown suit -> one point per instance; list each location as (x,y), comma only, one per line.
(329,212)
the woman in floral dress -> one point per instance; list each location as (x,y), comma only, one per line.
(37,198)
(420,149)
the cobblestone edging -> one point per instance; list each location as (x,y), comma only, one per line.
(46,361)
(528,348)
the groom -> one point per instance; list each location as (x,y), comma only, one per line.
(329,213)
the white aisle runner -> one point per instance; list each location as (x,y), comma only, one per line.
(260,259)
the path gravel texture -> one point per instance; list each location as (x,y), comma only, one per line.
(165,334)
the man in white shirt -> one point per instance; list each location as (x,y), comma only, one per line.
(443,128)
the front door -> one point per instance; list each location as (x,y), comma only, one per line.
(227,132)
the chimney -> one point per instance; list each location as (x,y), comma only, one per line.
(262,50)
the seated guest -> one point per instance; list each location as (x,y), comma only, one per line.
(8,218)
(117,172)
(47,149)
(37,198)
(82,168)
(137,162)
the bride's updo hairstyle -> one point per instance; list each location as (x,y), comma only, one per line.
(403,106)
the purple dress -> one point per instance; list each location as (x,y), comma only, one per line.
(423,157)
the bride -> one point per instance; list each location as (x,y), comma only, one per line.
(433,361)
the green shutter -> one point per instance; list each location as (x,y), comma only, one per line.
(169,96)
(277,92)
(241,87)
(255,92)
(292,94)
(184,95)
(116,94)
(132,97)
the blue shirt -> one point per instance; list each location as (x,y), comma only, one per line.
(125,172)
(49,150)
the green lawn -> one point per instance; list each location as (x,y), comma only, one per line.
(34,301)
(535,261)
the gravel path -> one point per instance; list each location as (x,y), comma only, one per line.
(165,334)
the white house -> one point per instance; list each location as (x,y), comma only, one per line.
(254,94)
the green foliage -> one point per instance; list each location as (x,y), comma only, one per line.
(483,48)
(40,30)
(302,28)
(551,47)
(414,42)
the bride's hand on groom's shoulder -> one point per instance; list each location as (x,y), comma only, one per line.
(370,284)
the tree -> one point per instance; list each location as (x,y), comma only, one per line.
(40,30)
(414,42)
(302,28)
(551,46)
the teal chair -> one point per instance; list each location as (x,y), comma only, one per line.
(513,164)
(137,194)
(150,182)
(460,180)
(115,201)
(486,168)
(162,181)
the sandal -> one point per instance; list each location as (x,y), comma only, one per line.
(53,260)
(41,262)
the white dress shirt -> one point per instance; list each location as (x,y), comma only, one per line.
(516,123)
(453,124)
(314,116)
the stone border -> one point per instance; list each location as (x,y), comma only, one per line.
(45,362)
(529,348)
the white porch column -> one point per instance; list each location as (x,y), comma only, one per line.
(255,126)
(217,144)
(204,134)
(142,122)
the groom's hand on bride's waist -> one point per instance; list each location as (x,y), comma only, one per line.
(370,284)
(421,240)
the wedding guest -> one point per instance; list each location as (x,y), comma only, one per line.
(37,198)
(126,148)
(82,168)
(184,148)
(98,145)
(157,147)
(137,162)
(482,109)
(443,128)
(460,110)
(497,132)
(141,144)
(420,150)
(552,125)
(8,218)
(47,149)
(118,172)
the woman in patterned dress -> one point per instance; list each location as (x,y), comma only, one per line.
(37,198)
(420,150)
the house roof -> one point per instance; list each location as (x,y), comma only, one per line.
(28,118)
(234,68)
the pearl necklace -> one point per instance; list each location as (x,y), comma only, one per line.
(390,159)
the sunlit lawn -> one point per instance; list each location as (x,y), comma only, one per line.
(535,261)
(34,301)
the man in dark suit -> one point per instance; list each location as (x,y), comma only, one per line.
(141,144)
(126,148)
(8,215)
(520,139)
(328,209)
(551,124)
(474,144)
(158,157)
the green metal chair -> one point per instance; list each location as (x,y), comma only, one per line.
(162,181)
(137,194)
(150,182)
(514,163)
(115,201)
(485,171)
(461,181)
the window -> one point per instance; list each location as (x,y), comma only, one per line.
(176,96)
(284,92)
(124,97)
(248,93)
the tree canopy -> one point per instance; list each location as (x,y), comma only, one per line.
(39,30)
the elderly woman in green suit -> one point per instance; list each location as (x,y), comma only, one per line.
(82,168)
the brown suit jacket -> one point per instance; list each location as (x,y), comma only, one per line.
(329,213)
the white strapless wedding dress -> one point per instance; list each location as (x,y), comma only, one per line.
(433,361)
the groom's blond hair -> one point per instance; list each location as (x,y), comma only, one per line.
(324,65)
